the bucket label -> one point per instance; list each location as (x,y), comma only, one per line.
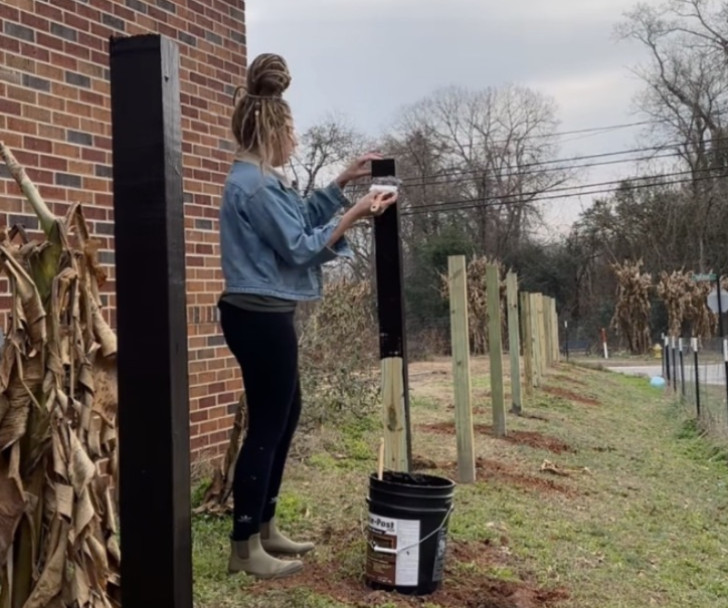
(393,552)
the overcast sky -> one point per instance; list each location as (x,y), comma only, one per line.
(367,58)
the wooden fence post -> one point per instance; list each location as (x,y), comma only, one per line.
(555,331)
(154,416)
(548,332)
(535,339)
(514,341)
(542,333)
(392,338)
(461,367)
(496,349)
(527,342)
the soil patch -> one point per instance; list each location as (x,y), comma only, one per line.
(494,470)
(461,588)
(570,395)
(533,439)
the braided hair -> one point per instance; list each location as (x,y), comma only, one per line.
(261,122)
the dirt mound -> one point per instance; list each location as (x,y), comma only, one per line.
(570,395)
(530,438)
(462,588)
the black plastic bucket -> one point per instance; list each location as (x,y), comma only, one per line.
(407,532)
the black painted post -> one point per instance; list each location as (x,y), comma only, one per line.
(154,444)
(682,368)
(725,365)
(667,357)
(674,363)
(392,337)
(697,377)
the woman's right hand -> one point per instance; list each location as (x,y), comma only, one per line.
(374,203)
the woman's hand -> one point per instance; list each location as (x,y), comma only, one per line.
(373,203)
(361,167)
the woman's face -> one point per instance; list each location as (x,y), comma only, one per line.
(287,146)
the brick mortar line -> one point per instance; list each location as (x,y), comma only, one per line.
(224,18)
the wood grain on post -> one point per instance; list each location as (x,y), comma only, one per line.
(395,415)
(492,281)
(527,342)
(461,368)
(514,341)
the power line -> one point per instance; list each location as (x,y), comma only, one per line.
(462,172)
(582,186)
(466,204)
(547,170)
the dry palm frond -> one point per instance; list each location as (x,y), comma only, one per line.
(58,402)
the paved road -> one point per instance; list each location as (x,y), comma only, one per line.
(713,373)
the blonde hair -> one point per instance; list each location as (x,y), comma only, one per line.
(261,121)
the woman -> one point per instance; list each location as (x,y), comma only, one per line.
(273,244)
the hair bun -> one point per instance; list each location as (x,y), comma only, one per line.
(268,75)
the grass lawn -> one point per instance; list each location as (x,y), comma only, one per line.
(637,518)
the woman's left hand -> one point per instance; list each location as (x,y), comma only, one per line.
(361,167)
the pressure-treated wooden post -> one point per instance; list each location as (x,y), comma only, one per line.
(514,341)
(154,421)
(392,339)
(492,282)
(541,333)
(555,332)
(535,340)
(527,342)
(548,333)
(461,367)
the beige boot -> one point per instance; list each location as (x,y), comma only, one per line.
(249,556)
(275,542)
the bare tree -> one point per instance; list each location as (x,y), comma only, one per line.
(487,148)
(686,95)
(324,149)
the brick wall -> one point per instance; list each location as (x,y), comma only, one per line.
(55,115)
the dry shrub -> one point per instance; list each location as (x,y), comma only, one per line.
(686,302)
(339,355)
(703,323)
(673,289)
(632,315)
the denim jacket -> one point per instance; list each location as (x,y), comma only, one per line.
(273,242)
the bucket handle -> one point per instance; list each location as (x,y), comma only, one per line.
(389,551)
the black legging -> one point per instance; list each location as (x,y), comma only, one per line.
(266,347)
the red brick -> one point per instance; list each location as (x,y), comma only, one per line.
(35,124)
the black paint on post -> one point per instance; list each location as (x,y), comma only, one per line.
(390,288)
(154,449)
(667,358)
(674,365)
(682,368)
(697,379)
